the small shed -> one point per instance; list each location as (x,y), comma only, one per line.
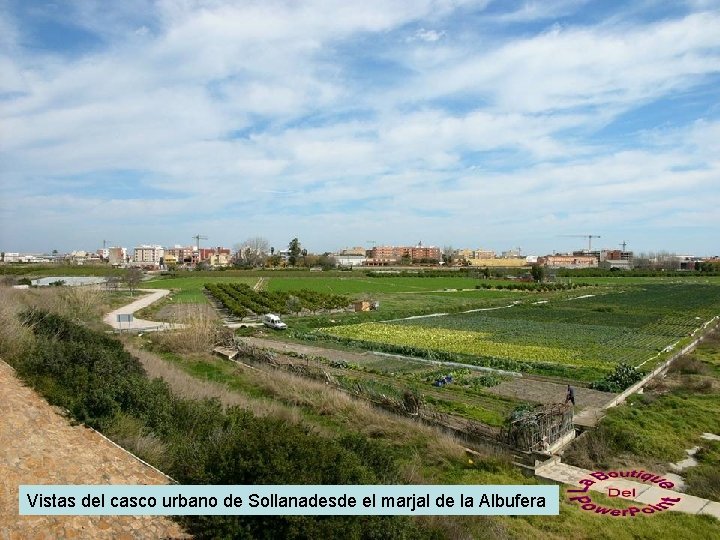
(361,305)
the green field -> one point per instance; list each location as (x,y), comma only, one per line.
(633,324)
(407,295)
(359,285)
(191,289)
(580,334)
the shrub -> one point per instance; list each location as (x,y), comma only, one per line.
(624,376)
(198,441)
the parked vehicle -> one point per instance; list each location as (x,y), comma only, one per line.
(273,321)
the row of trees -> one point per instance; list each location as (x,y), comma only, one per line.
(256,252)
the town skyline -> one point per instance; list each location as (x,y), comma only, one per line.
(580,243)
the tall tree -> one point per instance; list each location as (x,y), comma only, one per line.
(254,251)
(538,272)
(132,278)
(294,251)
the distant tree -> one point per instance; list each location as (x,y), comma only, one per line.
(311,260)
(327,262)
(253,251)
(294,251)
(293,304)
(486,272)
(133,277)
(274,261)
(113,282)
(538,272)
(448,255)
(272,251)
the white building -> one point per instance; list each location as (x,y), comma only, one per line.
(346,259)
(116,255)
(356,256)
(146,254)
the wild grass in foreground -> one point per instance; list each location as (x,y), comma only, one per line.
(422,459)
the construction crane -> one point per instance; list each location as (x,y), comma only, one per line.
(624,245)
(588,236)
(197,238)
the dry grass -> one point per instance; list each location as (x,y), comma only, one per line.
(85,304)
(14,337)
(468,527)
(130,433)
(289,392)
(200,331)
(688,365)
(359,415)
(189,387)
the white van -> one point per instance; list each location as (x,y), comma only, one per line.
(273,321)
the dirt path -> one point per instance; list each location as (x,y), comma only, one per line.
(39,446)
(137,305)
(644,493)
(260,285)
(549,392)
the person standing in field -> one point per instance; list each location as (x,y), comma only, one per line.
(570,396)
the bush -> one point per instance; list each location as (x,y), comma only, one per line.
(624,376)
(197,441)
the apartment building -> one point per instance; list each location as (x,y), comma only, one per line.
(148,255)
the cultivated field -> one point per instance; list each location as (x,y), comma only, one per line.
(588,332)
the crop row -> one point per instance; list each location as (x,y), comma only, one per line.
(241,300)
(462,342)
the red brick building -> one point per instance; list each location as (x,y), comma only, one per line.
(380,255)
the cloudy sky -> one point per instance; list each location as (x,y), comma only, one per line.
(493,124)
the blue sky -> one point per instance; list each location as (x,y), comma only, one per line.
(484,123)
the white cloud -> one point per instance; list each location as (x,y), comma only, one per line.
(596,67)
(429,36)
(249,116)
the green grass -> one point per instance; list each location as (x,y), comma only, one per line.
(440,468)
(436,466)
(633,324)
(49,270)
(655,428)
(189,290)
(118,299)
(359,285)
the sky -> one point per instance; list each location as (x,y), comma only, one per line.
(477,124)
